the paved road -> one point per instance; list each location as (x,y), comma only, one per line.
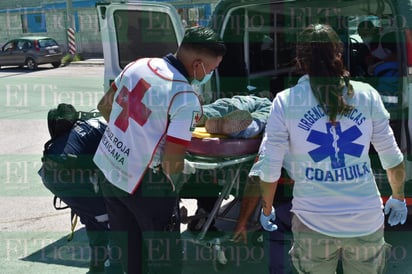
(28,221)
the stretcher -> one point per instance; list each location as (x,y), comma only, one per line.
(232,159)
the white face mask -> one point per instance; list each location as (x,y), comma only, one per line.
(206,78)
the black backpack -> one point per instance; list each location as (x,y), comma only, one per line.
(61,119)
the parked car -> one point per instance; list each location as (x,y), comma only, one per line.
(260,36)
(31,52)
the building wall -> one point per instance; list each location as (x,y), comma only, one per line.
(22,3)
(88,41)
(11,26)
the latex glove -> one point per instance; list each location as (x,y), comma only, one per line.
(397,211)
(188,168)
(267,221)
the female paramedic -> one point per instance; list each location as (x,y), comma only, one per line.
(320,130)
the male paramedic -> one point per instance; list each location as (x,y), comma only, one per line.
(152,109)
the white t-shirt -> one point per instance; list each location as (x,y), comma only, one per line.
(153,101)
(335,192)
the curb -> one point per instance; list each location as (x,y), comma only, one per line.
(87,62)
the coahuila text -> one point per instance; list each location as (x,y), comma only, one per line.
(341,174)
(116,148)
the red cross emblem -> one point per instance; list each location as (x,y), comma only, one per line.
(132,106)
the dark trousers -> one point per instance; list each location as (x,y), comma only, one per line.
(144,238)
(87,204)
(97,232)
(280,241)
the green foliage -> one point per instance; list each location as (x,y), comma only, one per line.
(77,57)
(68,58)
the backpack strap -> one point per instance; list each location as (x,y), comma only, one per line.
(59,207)
(86,115)
(74,219)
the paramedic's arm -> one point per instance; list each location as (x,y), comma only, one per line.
(250,200)
(105,104)
(268,191)
(173,162)
(396,178)
(173,157)
(182,120)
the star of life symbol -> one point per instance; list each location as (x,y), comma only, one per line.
(334,144)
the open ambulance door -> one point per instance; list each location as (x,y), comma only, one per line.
(134,30)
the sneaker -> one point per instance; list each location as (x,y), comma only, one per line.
(232,122)
(197,224)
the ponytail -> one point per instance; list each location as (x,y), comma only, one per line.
(319,52)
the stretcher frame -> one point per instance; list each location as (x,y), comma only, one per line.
(201,162)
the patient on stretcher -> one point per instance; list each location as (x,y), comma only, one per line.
(235,121)
(237,117)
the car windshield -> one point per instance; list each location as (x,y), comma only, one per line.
(47,43)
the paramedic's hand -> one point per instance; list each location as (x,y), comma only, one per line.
(397,211)
(267,221)
(240,234)
(176,180)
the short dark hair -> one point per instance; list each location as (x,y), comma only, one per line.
(203,39)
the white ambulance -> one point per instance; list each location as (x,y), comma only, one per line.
(260,36)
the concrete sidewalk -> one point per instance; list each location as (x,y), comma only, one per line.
(88,62)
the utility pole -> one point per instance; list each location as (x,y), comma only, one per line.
(69,13)
(71,38)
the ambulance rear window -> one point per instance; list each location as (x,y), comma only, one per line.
(143,34)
